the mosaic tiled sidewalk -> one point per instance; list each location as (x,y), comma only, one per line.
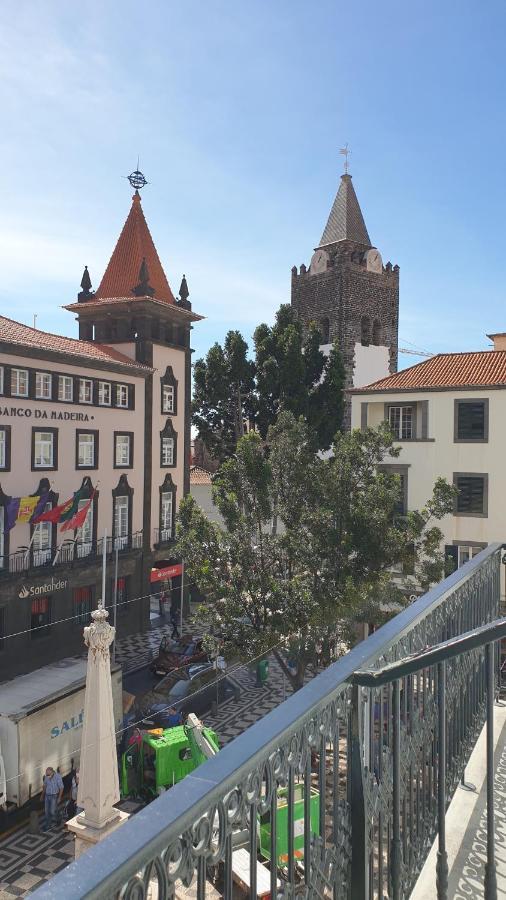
(27,860)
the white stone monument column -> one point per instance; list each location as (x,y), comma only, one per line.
(98,772)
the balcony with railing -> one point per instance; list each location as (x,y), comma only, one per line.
(342,789)
(68,553)
(163,536)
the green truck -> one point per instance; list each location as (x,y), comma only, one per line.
(159,758)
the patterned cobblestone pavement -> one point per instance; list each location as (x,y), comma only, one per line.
(27,860)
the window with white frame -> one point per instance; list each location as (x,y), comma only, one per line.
(167,451)
(122,395)
(65,388)
(3,448)
(43,386)
(86,450)
(41,542)
(166,502)
(104,393)
(121,510)
(85,533)
(43,450)
(467,552)
(85,390)
(19,382)
(400,420)
(123,450)
(168,398)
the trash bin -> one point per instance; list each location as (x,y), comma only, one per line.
(262,671)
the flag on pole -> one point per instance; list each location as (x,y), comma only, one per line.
(53,515)
(42,502)
(79,518)
(11,512)
(26,508)
(73,507)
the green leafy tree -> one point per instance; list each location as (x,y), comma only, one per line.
(293,374)
(289,373)
(223,395)
(308,545)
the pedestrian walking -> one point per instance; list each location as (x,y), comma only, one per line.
(52,792)
(174,621)
(72,807)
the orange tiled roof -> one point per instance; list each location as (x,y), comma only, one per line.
(134,244)
(199,475)
(484,368)
(16,333)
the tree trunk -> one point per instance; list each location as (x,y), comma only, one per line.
(297,680)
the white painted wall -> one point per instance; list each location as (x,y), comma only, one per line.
(202,494)
(441,456)
(371,364)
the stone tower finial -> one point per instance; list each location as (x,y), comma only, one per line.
(184,293)
(143,288)
(86,291)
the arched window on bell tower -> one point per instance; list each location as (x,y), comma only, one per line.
(365,331)
(325,330)
(376,333)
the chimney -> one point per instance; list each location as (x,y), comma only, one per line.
(499,340)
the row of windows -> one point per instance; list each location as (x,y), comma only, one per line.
(44,452)
(471,498)
(18,382)
(470,421)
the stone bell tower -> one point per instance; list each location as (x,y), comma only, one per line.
(350,294)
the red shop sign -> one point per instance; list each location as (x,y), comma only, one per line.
(167,572)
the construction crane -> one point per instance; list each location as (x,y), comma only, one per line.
(416,352)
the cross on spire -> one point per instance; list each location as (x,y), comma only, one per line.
(344,151)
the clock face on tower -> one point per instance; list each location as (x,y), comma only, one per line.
(319,261)
(373,261)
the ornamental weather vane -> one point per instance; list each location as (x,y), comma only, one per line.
(346,153)
(137,179)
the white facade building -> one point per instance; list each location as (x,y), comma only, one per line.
(449,417)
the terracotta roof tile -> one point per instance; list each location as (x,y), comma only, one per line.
(134,244)
(16,333)
(200,476)
(484,368)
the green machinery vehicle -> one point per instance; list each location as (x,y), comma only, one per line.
(282,824)
(162,757)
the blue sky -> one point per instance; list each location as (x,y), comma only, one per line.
(238,111)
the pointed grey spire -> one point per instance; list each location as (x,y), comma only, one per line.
(346,222)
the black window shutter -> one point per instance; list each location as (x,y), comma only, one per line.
(451,558)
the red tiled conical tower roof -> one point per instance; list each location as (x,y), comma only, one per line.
(135,244)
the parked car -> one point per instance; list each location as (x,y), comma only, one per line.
(174,654)
(190,689)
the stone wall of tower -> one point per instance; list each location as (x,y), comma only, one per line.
(345,293)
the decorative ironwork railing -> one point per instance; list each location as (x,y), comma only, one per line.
(339,787)
(163,535)
(69,552)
